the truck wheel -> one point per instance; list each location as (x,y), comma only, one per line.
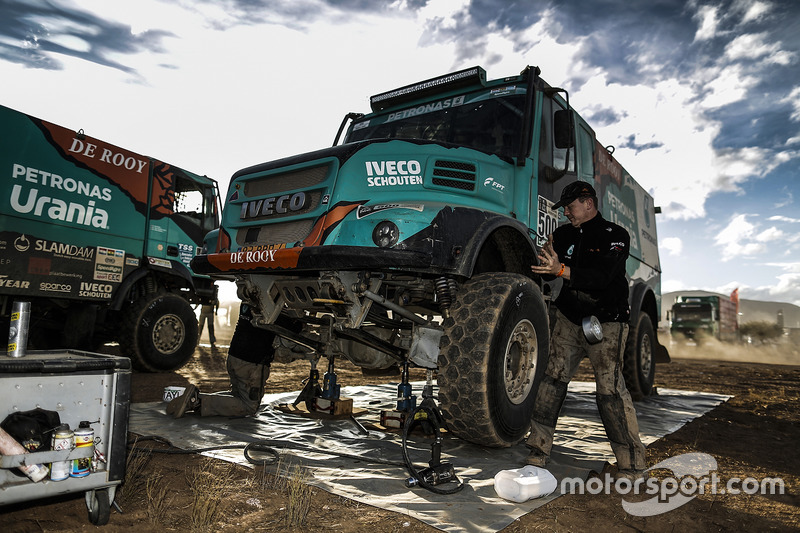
(491,359)
(159,333)
(639,368)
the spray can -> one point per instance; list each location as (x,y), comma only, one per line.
(18,332)
(63,439)
(84,437)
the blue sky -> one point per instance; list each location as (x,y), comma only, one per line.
(700,98)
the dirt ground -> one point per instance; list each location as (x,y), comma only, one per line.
(755,434)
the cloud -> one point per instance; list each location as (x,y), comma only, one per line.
(737,239)
(744,238)
(673,245)
(41,34)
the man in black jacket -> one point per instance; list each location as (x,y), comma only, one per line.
(590,255)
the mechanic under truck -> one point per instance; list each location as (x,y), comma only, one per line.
(99,239)
(410,243)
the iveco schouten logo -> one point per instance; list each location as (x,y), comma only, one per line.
(275,205)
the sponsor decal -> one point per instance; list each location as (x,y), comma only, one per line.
(275,205)
(253,256)
(393,173)
(96,290)
(22,243)
(55,287)
(37,203)
(60,249)
(132,261)
(494,185)
(116,159)
(11,283)
(156,261)
(366,210)
(259,247)
(39,266)
(109,264)
(427,108)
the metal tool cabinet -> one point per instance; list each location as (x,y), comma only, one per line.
(78,386)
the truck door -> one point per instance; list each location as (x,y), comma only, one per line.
(182,212)
(556,168)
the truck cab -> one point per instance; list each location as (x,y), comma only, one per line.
(410,242)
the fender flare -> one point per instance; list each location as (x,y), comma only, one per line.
(496,230)
(176,269)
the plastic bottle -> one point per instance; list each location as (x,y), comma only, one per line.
(522,484)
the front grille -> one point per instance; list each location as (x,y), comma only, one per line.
(288,232)
(277,183)
(456,174)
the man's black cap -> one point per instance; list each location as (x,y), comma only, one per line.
(573,191)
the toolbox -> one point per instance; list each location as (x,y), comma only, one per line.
(80,387)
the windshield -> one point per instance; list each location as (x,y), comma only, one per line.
(489,120)
(694,313)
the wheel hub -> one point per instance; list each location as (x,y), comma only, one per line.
(646,355)
(520,361)
(168,334)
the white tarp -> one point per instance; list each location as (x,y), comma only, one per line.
(363,475)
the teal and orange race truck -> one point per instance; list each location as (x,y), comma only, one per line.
(410,243)
(99,239)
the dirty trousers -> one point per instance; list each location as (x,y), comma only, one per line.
(248,381)
(567,348)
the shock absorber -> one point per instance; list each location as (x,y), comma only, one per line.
(442,287)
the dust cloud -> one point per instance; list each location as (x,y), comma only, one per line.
(783,352)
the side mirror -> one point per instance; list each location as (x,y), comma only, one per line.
(562,129)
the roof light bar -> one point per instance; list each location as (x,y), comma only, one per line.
(454,80)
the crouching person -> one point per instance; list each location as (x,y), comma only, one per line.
(249,358)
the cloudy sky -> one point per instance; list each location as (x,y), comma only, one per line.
(701,98)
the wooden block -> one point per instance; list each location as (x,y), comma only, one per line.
(337,407)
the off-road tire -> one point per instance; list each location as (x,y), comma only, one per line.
(496,320)
(159,333)
(639,367)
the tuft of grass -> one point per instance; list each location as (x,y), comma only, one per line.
(209,486)
(133,487)
(158,499)
(299,496)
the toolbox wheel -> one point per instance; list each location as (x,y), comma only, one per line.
(492,357)
(97,501)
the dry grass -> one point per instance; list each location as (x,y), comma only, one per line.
(134,486)
(299,494)
(158,498)
(210,485)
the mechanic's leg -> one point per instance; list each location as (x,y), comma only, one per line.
(247,388)
(566,352)
(613,400)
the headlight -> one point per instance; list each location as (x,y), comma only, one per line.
(385,234)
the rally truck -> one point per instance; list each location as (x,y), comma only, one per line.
(410,242)
(99,239)
(704,317)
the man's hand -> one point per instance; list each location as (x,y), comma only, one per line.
(549,262)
